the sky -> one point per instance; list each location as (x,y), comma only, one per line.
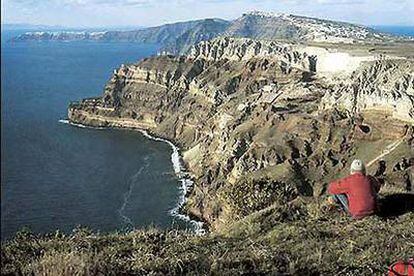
(103,13)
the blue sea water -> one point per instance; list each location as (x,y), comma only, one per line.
(396,30)
(56,176)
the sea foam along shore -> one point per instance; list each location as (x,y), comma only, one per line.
(179,170)
(186,184)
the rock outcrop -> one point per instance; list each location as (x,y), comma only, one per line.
(254,122)
(239,49)
(382,85)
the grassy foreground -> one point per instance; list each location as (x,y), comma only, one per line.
(276,240)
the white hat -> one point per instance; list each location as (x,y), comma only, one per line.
(357,166)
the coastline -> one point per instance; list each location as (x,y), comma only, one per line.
(179,170)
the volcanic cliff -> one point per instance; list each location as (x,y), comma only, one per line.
(258,123)
(267,110)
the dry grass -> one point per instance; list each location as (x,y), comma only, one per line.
(300,238)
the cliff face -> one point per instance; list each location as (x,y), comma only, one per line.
(203,31)
(239,49)
(256,123)
(384,85)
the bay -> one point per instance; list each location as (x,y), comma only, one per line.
(56,176)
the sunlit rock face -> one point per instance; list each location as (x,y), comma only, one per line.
(262,122)
(239,49)
(382,85)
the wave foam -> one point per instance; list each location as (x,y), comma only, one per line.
(186,182)
(128,193)
(63,121)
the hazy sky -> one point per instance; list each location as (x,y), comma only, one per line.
(94,13)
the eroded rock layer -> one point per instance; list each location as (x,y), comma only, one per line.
(383,85)
(257,125)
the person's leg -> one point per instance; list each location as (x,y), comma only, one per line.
(343,201)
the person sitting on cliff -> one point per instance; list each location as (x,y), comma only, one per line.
(356,193)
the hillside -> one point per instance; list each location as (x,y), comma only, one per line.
(264,243)
(263,126)
(177,38)
(168,34)
(246,115)
(262,25)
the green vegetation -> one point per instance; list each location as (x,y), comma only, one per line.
(245,197)
(260,167)
(278,239)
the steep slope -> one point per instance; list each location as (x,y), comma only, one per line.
(178,38)
(379,85)
(262,25)
(205,30)
(164,34)
(265,243)
(242,49)
(263,127)
(257,129)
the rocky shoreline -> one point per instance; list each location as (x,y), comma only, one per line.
(179,170)
(263,126)
(246,119)
(186,186)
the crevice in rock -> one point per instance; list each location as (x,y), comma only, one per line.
(382,166)
(302,184)
(332,158)
(365,128)
(408,181)
(402,165)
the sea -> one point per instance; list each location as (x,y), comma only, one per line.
(55,176)
(396,30)
(58,176)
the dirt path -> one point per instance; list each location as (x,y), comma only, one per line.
(388,149)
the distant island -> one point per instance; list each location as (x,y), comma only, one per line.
(266,109)
(61,29)
(177,38)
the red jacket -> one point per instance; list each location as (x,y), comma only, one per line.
(361,191)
